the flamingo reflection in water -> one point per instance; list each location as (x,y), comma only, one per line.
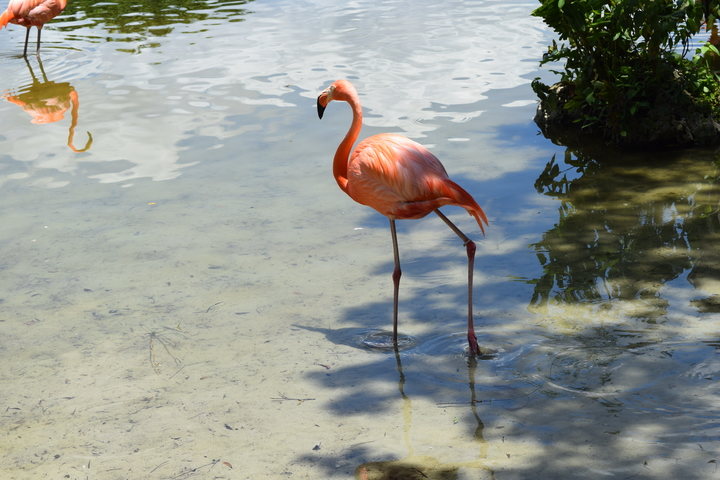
(47,101)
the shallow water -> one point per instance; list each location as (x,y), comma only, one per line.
(191,296)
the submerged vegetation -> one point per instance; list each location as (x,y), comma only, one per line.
(628,73)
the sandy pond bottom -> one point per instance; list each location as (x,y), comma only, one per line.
(149,334)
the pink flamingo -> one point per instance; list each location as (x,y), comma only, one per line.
(400,179)
(31,13)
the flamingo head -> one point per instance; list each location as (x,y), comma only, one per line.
(341,90)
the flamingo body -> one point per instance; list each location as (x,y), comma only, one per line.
(401,179)
(31,13)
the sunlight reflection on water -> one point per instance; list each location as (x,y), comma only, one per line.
(127,88)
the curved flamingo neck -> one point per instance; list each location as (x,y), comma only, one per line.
(71,133)
(342,155)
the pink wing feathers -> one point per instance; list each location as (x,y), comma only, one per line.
(402,179)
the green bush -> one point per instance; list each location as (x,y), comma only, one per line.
(626,69)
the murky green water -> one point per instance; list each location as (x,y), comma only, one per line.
(183,288)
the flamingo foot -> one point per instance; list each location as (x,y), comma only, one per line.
(474,348)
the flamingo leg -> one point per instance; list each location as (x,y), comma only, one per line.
(38,40)
(470,248)
(396,281)
(27,36)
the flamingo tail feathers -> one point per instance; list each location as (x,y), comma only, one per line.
(5,18)
(465,200)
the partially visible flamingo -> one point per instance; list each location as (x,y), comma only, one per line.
(400,179)
(31,13)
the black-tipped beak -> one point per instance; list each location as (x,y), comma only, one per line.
(320,108)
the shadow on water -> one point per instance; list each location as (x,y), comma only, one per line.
(560,409)
(47,101)
(417,465)
(552,404)
(425,467)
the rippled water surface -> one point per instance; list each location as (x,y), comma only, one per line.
(185,292)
